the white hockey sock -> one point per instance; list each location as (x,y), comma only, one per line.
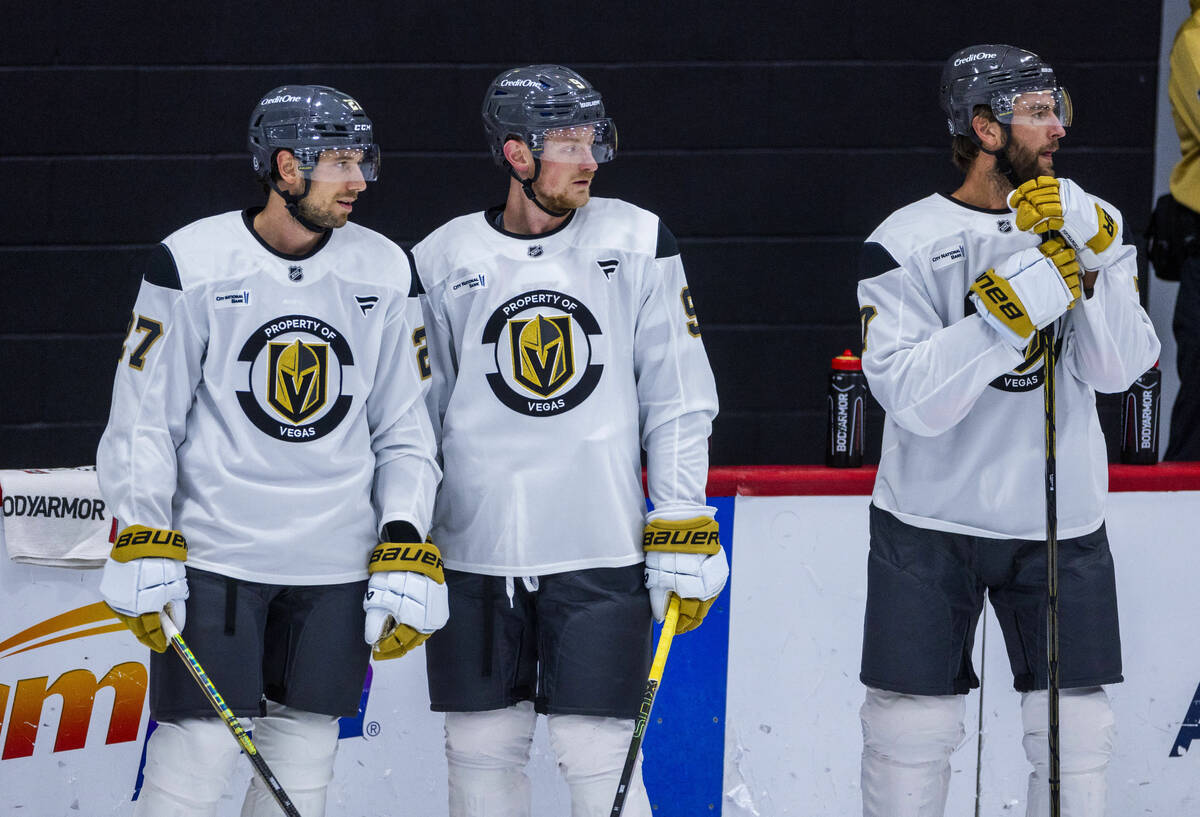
(188,765)
(907,743)
(1086,732)
(300,748)
(591,755)
(486,755)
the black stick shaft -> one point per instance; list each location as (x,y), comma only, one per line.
(1048,357)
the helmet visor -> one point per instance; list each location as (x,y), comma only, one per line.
(577,144)
(342,165)
(1037,108)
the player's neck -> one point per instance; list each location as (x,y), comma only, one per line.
(984,187)
(523,217)
(275,225)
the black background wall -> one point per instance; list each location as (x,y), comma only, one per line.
(770,136)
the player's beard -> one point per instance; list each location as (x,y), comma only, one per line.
(563,202)
(324,217)
(1025,161)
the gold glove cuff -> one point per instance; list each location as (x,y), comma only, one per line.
(696,535)
(139,542)
(417,557)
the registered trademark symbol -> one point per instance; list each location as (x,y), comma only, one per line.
(373,729)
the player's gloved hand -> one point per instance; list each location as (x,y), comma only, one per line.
(406,598)
(1047,203)
(1063,257)
(1025,294)
(684,557)
(143,574)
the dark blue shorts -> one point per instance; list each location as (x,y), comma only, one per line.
(579,645)
(925,592)
(301,646)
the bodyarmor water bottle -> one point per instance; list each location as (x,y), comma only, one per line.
(1139,419)
(847,390)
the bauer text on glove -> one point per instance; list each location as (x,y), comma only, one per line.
(684,557)
(406,598)
(143,574)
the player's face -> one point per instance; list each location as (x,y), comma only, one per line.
(336,182)
(565,182)
(1036,129)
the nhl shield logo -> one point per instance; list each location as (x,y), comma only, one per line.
(542,353)
(297,372)
(1004,225)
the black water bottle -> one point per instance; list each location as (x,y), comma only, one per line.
(847,391)
(1139,419)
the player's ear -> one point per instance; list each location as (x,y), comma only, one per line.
(988,130)
(518,155)
(288,167)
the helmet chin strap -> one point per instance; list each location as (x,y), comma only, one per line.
(1004,165)
(292,203)
(527,186)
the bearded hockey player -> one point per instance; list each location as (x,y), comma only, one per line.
(268,430)
(564,342)
(954,290)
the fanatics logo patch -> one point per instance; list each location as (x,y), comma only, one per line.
(609,268)
(366,302)
(225,300)
(544,345)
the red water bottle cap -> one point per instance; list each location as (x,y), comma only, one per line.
(847,361)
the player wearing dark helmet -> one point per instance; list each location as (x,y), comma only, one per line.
(564,342)
(268,429)
(953,291)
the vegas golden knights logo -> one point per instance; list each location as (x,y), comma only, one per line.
(542,353)
(297,374)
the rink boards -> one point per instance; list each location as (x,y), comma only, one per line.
(758,712)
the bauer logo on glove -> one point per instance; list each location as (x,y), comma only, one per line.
(684,557)
(406,598)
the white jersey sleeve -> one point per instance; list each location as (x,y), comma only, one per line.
(402,435)
(676,392)
(1114,339)
(155,384)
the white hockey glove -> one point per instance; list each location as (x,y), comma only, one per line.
(684,557)
(1024,295)
(143,574)
(1047,203)
(406,598)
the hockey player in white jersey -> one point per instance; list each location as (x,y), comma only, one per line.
(268,428)
(564,342)
(954,288)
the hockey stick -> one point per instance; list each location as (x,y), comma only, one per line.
(1048,361)
(639,726)
(206,686)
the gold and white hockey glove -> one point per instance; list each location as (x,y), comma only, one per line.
(406,598)
(1025,294)
(1047,203)
(684,557)
(143,574)
(1063,257)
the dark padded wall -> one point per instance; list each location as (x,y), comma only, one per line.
(771,137)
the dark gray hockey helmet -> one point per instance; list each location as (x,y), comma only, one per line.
(527,102)
(307,120)
(996,76)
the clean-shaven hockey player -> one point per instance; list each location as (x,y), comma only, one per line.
(954,288)
(268,427)
(564,342)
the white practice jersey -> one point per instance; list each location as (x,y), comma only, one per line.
(964,436)
(272,407)
(556,359)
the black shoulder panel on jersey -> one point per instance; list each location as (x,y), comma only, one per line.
(400,532)
(667,245)
(416,288)
(874,260)
(160,269)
